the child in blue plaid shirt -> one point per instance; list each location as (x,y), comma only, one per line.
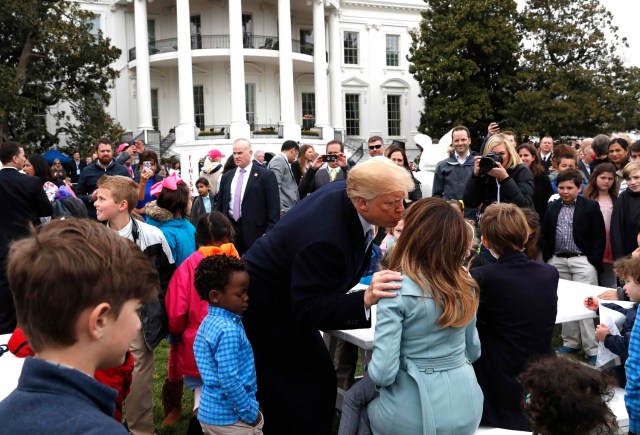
(224,356)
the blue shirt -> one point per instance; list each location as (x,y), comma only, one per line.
(632,369)
(225,361)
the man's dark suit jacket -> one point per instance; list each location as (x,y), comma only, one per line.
(300,274)
(516,318)
(72,169)
(23,202)
(314,179)
(260,204)
(589,231)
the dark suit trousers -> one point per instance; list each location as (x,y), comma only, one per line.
(239,241)
(296,380)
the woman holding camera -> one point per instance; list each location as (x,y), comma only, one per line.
(499,176)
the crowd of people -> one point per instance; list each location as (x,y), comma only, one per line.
(242,277)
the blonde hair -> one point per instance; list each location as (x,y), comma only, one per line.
(505,227)
(121,188)
(501,139)
(633,166)
(377,176)
(438,271)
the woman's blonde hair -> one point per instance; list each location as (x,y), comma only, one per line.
(501,139)
(377,176)
(433,255)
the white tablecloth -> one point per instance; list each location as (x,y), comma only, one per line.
(570,307)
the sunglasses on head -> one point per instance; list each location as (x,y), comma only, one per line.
(374,147)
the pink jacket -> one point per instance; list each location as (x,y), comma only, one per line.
(185,309)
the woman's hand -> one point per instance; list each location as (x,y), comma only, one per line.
(382,285)
(145,175)
(499,172)
(476,165)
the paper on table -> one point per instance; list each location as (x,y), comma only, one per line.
(611,318)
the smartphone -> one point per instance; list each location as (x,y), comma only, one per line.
(502,124)
(330,158)
(147,164)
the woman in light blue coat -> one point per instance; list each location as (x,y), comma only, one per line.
(425,337)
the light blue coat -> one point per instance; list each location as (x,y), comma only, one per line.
(424,374)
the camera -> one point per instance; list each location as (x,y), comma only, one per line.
(330,158)
(488,162)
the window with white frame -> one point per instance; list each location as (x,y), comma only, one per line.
(393,50)
(308,110)
(351,48)
(196,32)
(352,114)
(393,115)
(198,106)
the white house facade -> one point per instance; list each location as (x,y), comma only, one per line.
(203,73)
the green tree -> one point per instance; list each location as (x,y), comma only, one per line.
(49,59)
(572,80)
(464,56)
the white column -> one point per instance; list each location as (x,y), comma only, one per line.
(335,59)
(320,71)
(291,130)
(143,75)
(186,128)
(239,127)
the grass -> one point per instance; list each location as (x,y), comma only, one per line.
(161,355)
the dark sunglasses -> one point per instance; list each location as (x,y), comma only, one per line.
(374,147)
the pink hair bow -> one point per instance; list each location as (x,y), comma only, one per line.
(171,182)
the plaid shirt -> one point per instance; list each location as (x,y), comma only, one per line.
(225,360)
(632,368)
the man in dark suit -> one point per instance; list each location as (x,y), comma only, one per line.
(23,202)
(516,316)
(249,196)
(318,176)
(75,167)
(573,240)
(300,274)
(546,152)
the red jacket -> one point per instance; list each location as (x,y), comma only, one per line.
(185,309)
(118,378)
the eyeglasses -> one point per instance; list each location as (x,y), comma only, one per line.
(374,147)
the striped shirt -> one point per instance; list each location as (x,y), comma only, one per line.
(632,368)
(564,230)
(225,361)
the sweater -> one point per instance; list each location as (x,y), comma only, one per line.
(56,399)
(625,221)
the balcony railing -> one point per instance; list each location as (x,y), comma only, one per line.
(207,42)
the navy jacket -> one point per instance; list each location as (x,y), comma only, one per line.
(300,273)
(516,318)
(54,399)
(588,230)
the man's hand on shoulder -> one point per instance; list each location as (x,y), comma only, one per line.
(382,285)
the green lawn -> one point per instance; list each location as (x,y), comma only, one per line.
(161,355)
